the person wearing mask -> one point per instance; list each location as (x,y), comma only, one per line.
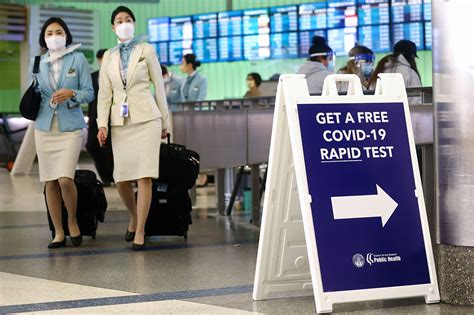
(64,83)
(137,119)
(253,83)
(319,65)
(361,63)
(173,88)
(103,157)
(402,61)
(195,85)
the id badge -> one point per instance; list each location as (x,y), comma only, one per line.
(124,110)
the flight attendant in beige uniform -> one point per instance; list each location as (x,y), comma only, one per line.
(138,120)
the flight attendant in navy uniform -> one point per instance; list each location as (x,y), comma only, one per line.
(138,120)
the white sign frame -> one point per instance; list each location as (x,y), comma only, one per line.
(283,254)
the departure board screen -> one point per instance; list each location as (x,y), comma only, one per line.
(312,16)
(181,28)
(162,52)
(230,23)
(376,37)
(159,29)
(256,47)
(205,49)
(306,39)
(205,25)
(256,22)
(410,31)
(407,11)
(373,12)
(341,40)
(284,19)
(230,48)
(284,45)
(342,13)
(428,36)
(427,10)
(178,49)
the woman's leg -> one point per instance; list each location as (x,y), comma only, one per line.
(143,207)
(69,193)
(53,198)
(127,195)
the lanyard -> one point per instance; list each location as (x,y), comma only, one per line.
(123,78)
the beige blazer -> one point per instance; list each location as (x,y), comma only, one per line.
(143,69)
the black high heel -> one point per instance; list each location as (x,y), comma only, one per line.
(57,244)
(129,236)
(76,240)
(138,246)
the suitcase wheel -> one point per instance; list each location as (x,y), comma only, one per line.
(185,236)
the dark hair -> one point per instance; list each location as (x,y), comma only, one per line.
(350,67)
(391,58)
(50,21)
(164,70)
(256,77)
(100,53)
(119,10)
(319,45)
(191,58)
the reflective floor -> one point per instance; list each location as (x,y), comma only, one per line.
(211,273)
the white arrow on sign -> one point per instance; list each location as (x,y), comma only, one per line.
(369,206)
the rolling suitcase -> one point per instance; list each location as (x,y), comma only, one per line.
(91,204)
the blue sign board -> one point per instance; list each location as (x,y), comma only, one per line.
(364,206)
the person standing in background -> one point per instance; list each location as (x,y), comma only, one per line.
(361,63)
(253,82)
(195,85)
(173,88)
(319,65)
(103,157)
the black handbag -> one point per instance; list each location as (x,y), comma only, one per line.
(31,100)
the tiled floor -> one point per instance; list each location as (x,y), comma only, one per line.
(211,273)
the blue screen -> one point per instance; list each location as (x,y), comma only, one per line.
(284,19)
(406,11)
(306,39)
(256,22)
(313,16)
(284,45)
(181,28)
(342,13)
(159,29)
(427,10)
(205,49)
(373,12)
(162,52)
(341,40)
(230,48)
(428,36)
(230,23)
(205,25)
(257,47)
(376,37)
(177,50)
(410,31)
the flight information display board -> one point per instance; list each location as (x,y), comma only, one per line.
(159,29)
(230,23)
(312,16)
(284,45)
(377,37)
(342,14)
(427,10)
(230,48)
(162,52)
(373,12)
(410,31)
(205,25)
(407,10)
(428,36)
(341,40)
(284,19)
(256,21)
(181,28)
(178,49)
(205,49)
(256,47)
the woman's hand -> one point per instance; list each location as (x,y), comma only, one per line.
(61,95)
(102,136)
(164,133)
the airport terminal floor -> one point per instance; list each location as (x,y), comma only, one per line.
(210,273)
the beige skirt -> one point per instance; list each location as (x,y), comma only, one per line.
(136,150)
(58,152)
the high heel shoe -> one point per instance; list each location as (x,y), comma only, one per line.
(76,240)
(138,246)
(129,236)
(57,244)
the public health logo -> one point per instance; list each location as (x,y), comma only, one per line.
(358,260)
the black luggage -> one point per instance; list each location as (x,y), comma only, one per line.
(91,204)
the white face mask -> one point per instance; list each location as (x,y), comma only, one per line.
(125,31)
(55,42)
